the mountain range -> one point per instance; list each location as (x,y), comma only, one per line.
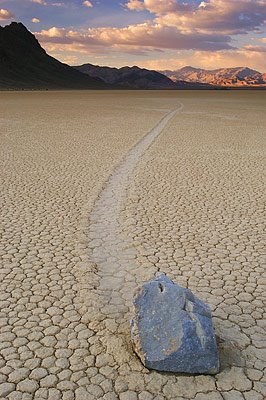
(137,78)
(24,64)
(132,77)
(232,77)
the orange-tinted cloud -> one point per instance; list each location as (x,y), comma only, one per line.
(259,49)
(5,14)
(39,2)
(135,5)
(63,36)
(146,35)
(226,16)
(87,3)
(44,3)
(207,26)
(160,6)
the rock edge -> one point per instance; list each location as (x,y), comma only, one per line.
(172,329)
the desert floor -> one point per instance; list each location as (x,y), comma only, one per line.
(94,201)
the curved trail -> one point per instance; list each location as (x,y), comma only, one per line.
(109,250)
(107,286)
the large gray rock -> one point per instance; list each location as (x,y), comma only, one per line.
(172,330)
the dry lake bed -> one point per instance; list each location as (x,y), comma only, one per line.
(101,190)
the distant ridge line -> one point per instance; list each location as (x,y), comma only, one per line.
(226,77)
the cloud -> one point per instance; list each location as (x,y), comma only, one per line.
(39,2)
(43,3)
(144,36)
(52,33)
(260,49)
(87,4)
(223,16)
(35,20)
(206,28)
(203,4)
(158,6)
(63,40)
(135,5)
(68,59)
(5,14)
(158,35)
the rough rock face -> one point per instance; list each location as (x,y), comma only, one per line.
(172,329)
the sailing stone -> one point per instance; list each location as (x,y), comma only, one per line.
(172,330)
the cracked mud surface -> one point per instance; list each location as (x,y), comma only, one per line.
(192,206)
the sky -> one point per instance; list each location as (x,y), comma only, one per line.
(155,34)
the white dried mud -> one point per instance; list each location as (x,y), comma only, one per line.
(110,251)
(189,203)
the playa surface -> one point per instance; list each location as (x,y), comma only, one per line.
(96,198)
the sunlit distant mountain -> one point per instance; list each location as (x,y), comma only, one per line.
(239,76)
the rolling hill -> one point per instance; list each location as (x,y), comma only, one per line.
(131,77)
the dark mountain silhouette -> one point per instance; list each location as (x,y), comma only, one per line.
(132,77)
(24,64)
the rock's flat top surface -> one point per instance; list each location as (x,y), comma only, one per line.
(172,329)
